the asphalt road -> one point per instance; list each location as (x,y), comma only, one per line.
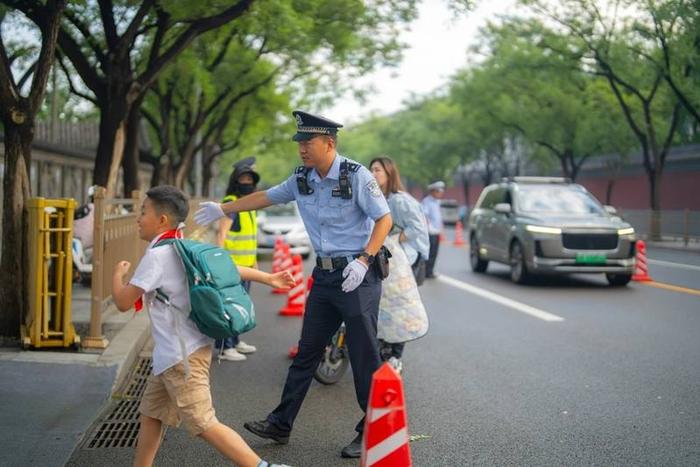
(567,371)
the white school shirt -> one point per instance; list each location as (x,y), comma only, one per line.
(161,268)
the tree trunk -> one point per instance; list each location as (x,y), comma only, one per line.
(564,159)
(655,198)
(130,162)
(14,262)
(609,191)
(149,158)
(187,157)
(207,172)
(109,124)
(117,154)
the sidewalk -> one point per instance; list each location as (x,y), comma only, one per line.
(48,399)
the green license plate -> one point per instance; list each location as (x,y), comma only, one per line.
(590,259)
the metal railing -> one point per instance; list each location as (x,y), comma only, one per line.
(681,226)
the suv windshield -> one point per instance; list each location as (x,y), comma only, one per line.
(556,199)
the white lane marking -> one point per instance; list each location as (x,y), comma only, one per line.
(494,297)
(673,265)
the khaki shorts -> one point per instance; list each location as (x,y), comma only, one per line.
(171,399)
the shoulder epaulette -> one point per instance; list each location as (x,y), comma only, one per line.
(302,170)
(352,167)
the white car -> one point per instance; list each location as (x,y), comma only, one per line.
(283,220)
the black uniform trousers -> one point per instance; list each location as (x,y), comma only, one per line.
(327,306)
(432,256)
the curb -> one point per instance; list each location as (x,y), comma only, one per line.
(125,347)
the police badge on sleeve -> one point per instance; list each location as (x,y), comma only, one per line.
(373,188)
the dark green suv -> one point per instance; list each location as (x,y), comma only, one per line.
(548,225)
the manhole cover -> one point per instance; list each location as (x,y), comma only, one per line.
(119,427)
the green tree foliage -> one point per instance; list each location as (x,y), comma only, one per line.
(605,36)
(235,88)
(425,140)
(561,110)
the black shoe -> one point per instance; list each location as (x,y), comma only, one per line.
(267,430)
(354,449)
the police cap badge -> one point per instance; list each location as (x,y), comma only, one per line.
(309,125)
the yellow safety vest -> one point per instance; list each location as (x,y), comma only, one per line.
(243,244)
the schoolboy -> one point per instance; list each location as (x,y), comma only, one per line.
(171,396)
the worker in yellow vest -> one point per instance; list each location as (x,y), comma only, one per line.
(238,235)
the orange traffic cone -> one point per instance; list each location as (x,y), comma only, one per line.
(285,264)
(459,234)
(277,255)
(296,297)
(641,270)
(385,441)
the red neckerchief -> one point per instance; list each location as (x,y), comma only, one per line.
(173,233)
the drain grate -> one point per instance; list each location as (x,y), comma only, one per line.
(114,435)
(136,383)
(119,428)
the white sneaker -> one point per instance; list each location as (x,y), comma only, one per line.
(233,355)
(397,364)
(242,347)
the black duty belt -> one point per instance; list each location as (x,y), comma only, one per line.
(330,263)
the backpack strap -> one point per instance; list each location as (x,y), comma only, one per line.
(163,297)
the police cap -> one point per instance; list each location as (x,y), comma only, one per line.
(437,186)
(309,126)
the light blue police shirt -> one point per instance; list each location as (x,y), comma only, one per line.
(336,226)
(431,208)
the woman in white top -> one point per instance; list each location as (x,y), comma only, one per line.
(402,316)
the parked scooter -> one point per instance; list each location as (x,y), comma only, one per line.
(82,266)
(83,223)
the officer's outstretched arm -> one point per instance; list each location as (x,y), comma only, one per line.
(257,200)
(208,211)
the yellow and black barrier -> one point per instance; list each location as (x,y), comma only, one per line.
(48,321)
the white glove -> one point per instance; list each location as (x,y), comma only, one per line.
(353,273)
(208,212)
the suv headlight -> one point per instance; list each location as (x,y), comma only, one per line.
(626,231)
(543,230)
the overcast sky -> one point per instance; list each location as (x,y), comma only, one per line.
(438,43)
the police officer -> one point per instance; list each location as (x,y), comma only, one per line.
(431,209)
(347,219)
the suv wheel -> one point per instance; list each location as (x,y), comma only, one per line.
(477,264)
(618,280)
(518,269)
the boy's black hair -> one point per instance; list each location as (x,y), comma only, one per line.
(171,200)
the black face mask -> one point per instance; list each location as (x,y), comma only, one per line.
(246,188)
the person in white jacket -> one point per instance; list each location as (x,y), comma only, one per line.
(402,316)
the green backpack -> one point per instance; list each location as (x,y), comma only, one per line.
(219,305)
